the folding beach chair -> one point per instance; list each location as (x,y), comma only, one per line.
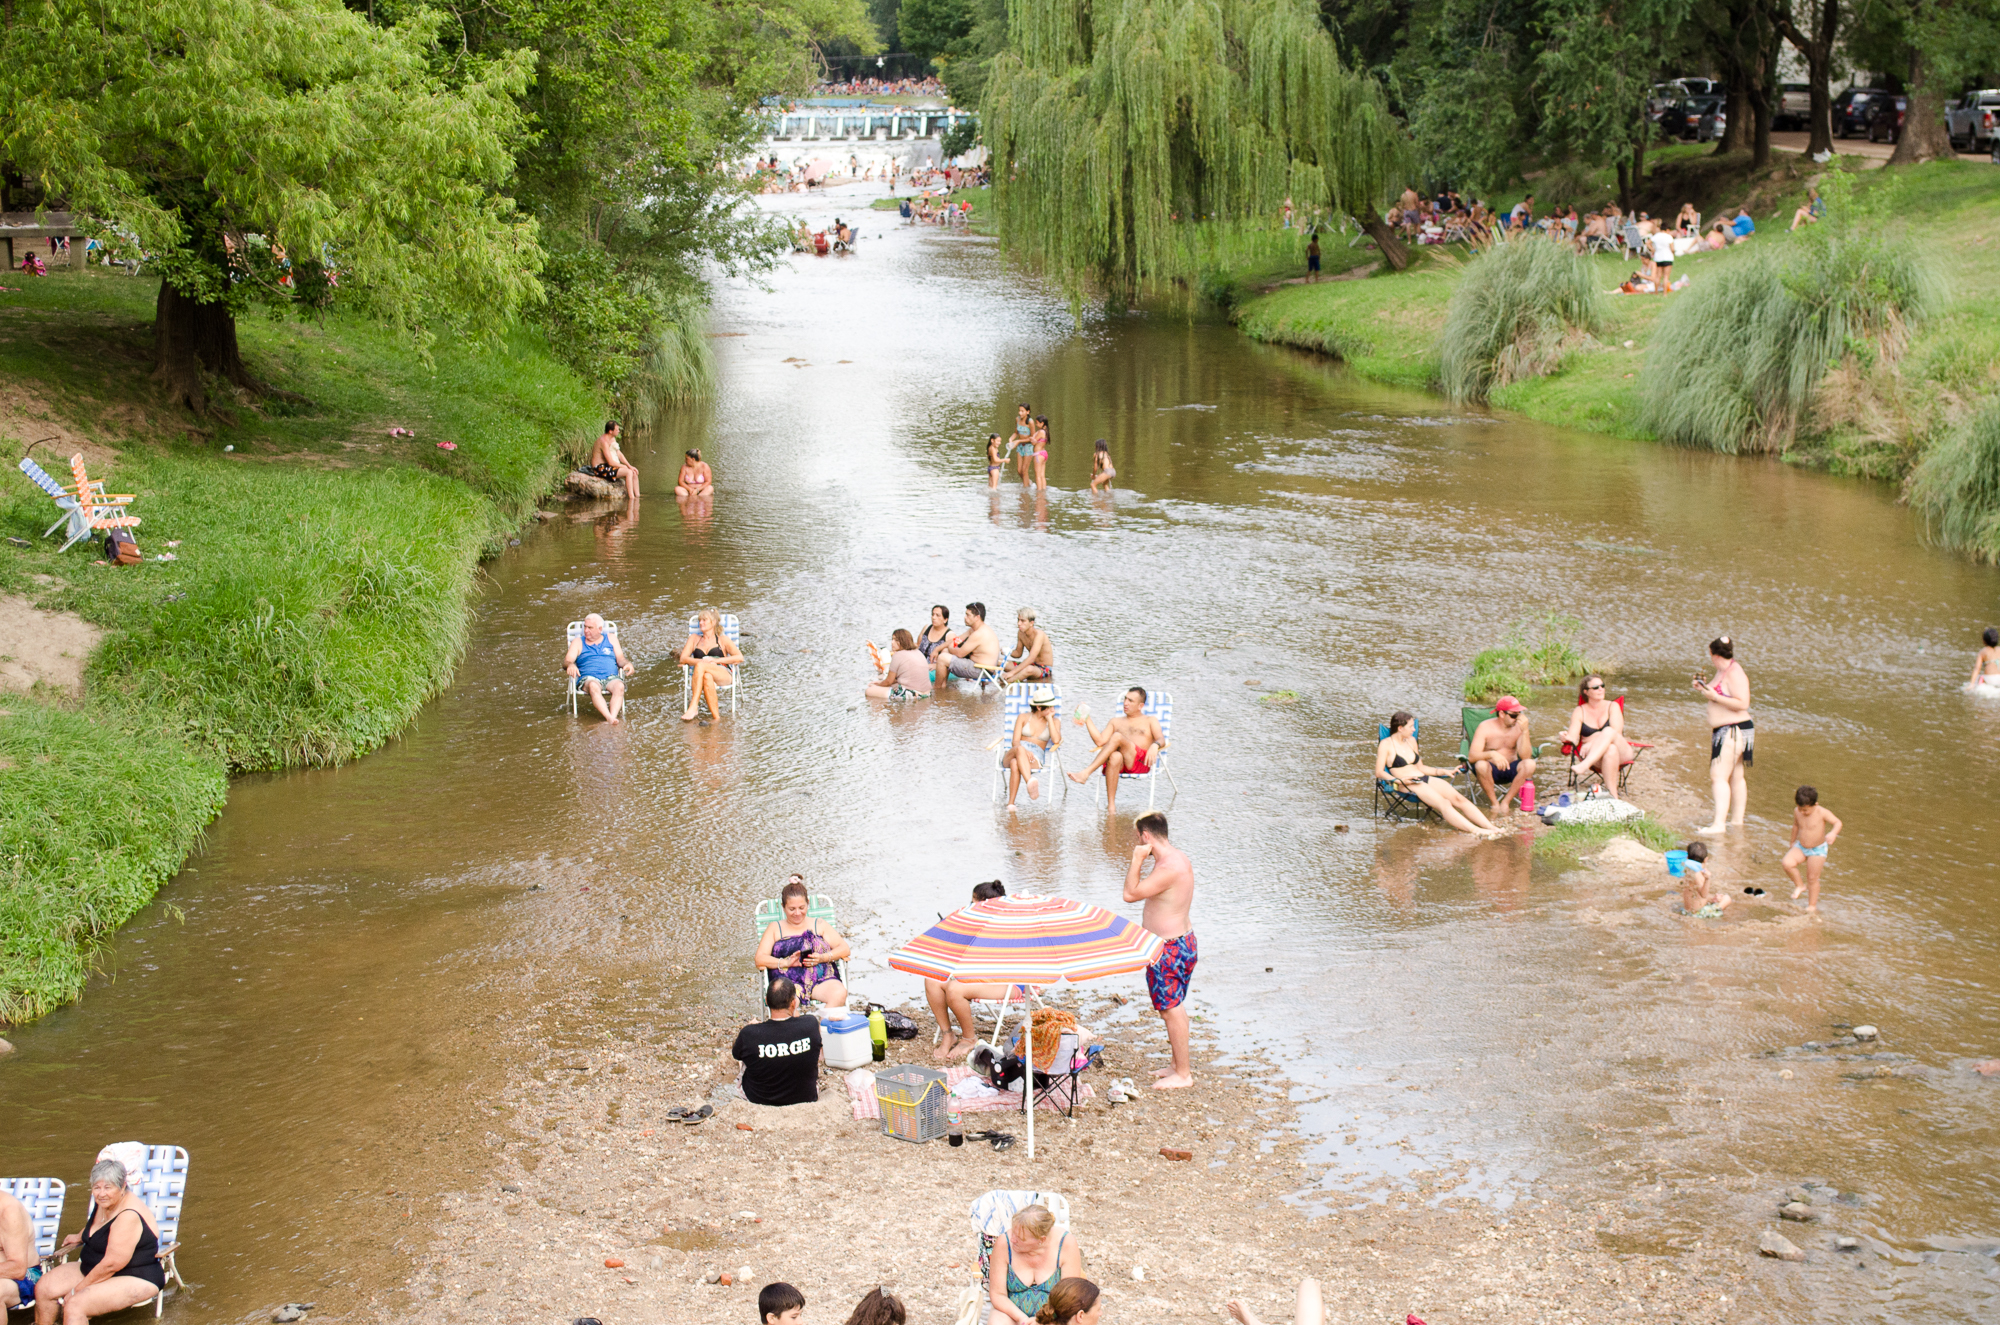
(573,685)
(94,511)
(1635,243)
(1160,705)
(1391,801)
(1568,750)
(43,1198)
(771,910)
(158,1176)
(1601,244)
(993,1213)
(100,510)
(1014,703)
(1062,1080)
(734,630)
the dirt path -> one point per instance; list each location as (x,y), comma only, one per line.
(46,647)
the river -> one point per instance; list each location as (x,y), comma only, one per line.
(320,1006)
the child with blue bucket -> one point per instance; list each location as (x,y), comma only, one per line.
(1699,895)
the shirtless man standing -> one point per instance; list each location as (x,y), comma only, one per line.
(17,1254)
(608,462)
(1126,745)
(1034,658)
(971,656)
(1168,893)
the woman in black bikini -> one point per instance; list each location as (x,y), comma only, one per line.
(1398,760)
(1597,733)
(709,652)
(939,628)
(120,1262)
(1732,736)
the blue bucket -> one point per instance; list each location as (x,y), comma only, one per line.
(1677,863)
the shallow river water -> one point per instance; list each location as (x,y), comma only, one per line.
(321,1004)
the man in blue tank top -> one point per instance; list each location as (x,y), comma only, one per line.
(598,658)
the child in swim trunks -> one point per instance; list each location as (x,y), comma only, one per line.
(1814,827)
(1699,895)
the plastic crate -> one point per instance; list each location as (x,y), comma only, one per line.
(915,1103)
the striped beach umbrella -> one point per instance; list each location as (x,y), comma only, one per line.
(1028,941)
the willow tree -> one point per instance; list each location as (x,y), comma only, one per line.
(1120,127)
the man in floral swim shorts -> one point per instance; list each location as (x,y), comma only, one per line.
(1168,892)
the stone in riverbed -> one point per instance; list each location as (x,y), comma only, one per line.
(589,485)
(1775,1245)
(1847,1244)
(1797,1211)
(5,1048)
(1865,1032)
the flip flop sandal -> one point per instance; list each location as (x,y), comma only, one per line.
(1001,1140)
(1753,892)
(678,1112)
(695,1116)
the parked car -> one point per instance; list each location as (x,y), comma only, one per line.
(1700,118)
(1971,122)
(1850,110)
(1794,108)
(1885,119)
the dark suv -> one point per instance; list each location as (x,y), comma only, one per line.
(1852,109)
(1885,119)
(1701,118)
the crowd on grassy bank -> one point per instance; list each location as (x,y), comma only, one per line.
(309,538)
(1910,406)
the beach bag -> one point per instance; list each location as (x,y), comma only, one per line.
(899,1026)
(121,549)
(1051,1024)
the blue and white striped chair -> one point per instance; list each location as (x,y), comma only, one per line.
(1013,704)
(1160,705)
(573,685)
(734,630)
(43,1198)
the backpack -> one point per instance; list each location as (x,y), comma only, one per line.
(121,549)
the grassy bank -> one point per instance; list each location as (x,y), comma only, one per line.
(320,594)
(1388,325)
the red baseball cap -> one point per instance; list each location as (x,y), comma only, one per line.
(1507,704)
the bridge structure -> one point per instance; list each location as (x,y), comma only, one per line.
(858,121)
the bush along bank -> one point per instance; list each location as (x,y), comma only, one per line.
(1868,344)
(279,637)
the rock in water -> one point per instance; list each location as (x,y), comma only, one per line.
(1775,1244)
(1847,1244)
(288,1312)
(1797,1211)
(589,485)
(1865,1032)
(5,1048)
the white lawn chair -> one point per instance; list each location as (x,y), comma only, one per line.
(95,512)
(734,630)
(157,1175)
(573,685)
(1160,705)
(1635,243)
(43,1198)
(992,1215)
(1013,705)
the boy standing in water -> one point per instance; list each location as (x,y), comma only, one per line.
(1814,827)
(1168,892)
(1699,895)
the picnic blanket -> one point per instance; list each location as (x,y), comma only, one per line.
(861,1094)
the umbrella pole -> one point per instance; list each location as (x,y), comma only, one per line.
(1028,1080)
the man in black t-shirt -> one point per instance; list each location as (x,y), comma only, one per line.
(780,1057)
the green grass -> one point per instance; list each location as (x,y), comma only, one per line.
(309,559)
(1518,310)
(1539,650)
(1875,418)
(1574,840)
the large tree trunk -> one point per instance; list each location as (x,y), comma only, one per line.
(1736,105)
(190,337)
(1385,239)
(1817,48)
(1925,137)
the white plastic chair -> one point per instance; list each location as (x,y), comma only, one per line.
(43,1198)
(1013,704)
(993,1213)
(1160,705)
(734,631)
(573,685)
(157,1175)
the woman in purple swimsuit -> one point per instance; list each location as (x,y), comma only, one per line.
(804,949)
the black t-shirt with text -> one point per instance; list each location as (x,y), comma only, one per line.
(780,1061)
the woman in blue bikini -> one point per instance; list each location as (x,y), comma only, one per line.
(1024,446)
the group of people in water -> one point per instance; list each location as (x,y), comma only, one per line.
(608,462)
(1500,761)
(1030,446)
(118,1254)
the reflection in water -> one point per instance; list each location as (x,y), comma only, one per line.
(343,979)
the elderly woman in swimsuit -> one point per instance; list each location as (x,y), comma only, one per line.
(1597,734)
(802,949)
(119,1265)
(710,653)
(1032,1258)
(1398,760)
(696,479)
(1732,736)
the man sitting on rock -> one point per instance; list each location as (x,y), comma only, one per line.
(600,660)
(780,1056)
(608,462)
(1501,754)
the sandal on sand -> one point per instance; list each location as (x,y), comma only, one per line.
(678,1112)
(695,1116)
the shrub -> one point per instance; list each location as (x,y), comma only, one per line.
(1957,485)
(1538,650)
(1518,309)
(1738,358)
(678,369)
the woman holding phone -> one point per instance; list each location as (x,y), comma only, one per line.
(1731,733)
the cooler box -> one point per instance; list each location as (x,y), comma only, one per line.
(847,1043)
